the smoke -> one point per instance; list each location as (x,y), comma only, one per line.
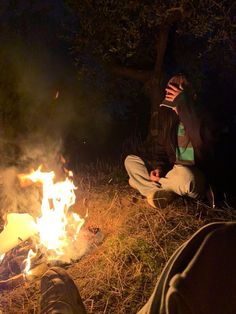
(49,116)
(47,101)
(14,198)
(32,126)
(86,241)
(45,111)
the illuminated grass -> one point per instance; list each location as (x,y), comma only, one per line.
(118,276)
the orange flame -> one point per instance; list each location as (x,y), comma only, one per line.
(53,224)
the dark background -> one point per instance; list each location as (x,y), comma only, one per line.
(98,114)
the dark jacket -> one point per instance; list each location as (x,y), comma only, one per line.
(203,130)
(210,139)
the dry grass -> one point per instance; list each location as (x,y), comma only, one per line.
(119,275)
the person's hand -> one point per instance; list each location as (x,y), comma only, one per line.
(155,175)
(172,91)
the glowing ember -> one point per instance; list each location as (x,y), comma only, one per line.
(55,233)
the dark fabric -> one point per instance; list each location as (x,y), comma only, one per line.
(198,271)
(212,140)
(200,126)
(162,150)
(176,264)
(199,278)
(59,294)
(208,284)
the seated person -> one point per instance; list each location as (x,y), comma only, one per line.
(186,142)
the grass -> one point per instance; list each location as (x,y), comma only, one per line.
(118,276)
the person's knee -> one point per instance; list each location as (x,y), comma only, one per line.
(130,160)
(193,182)
(196,185)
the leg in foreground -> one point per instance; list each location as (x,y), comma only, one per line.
(59,294)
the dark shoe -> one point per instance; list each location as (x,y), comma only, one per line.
(59,294)
(160,198)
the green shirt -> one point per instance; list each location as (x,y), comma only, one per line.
(184,152)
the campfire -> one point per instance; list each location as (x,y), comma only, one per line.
(29,245)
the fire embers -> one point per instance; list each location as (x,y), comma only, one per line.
(14,263)
(16,269)
(58,236)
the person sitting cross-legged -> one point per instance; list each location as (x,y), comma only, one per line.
(186,161)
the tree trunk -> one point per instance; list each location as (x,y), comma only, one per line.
(155,85)
(153,81)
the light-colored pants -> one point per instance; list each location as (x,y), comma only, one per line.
(182,180)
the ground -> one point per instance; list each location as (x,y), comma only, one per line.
(119,275)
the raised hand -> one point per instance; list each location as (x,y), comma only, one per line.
(172,91)
(155,175)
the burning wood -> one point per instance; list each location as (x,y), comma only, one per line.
(57,236)
(12,266)
(15,268)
